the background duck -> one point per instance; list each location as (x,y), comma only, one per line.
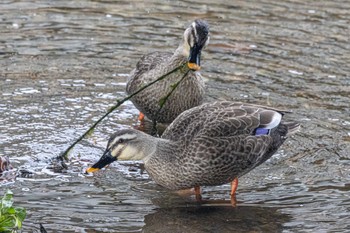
(190,91)
(208,145)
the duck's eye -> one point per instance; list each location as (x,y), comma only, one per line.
(121,140)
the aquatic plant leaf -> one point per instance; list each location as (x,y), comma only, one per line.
(18,223)
(11,210)
(11,218)
(7,201)
(7,224)
(21,213)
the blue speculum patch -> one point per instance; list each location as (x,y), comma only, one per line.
(261,131)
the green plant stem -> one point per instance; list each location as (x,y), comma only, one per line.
(164,99)
(64,155)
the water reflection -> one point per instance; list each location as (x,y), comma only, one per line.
(216,219)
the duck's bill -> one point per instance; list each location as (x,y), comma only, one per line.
(92,169)
(194,58)
(193,66)
(106,159)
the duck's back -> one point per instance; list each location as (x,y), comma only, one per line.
(189,93)
(145,64)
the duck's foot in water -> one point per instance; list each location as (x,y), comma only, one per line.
(185,192)
(197,191)
(189,192)
(233,200)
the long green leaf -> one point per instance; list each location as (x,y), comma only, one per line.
(65,153)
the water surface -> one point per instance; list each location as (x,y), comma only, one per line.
(64,63)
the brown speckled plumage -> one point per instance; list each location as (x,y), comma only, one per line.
(207,145)
(4,164)
(188,94)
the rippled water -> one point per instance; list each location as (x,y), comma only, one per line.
(63,63)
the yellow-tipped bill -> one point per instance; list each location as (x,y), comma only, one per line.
(92,169)
(106,159)
(193,66)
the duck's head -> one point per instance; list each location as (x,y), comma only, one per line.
(126,144)
(196,38)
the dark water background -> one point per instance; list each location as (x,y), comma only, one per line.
(63,63)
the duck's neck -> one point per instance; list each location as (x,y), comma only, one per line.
(164,162)
(182,51)
(178,60)
(162,150)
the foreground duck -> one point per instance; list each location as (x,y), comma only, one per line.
(208,145)
(190,91)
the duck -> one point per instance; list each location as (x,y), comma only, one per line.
(208,145)
(189,92)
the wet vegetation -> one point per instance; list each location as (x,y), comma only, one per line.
(11,217)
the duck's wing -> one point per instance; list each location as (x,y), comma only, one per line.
(222,119)
(221,159)
(145,64)
(230,138)
(149,61)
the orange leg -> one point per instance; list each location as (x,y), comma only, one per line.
(141,117)
(233,201)
(234,186)
(197,191)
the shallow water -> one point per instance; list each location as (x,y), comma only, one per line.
(64,63)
